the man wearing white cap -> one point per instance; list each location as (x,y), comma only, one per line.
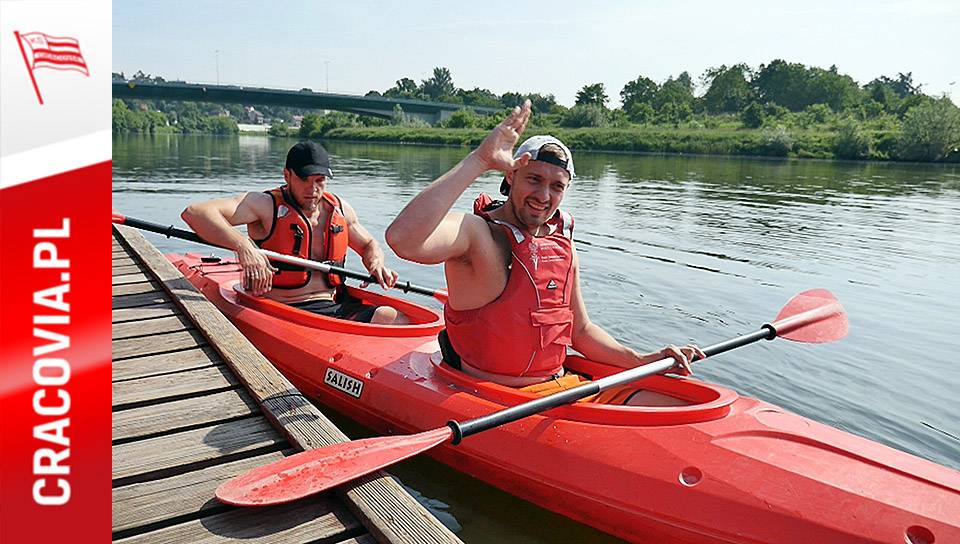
(512,269)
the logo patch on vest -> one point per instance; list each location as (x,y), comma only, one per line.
(552,285)
(339,380)
(282,211)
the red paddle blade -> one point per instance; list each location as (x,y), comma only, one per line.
(119,218)
(813,316)
(317,470)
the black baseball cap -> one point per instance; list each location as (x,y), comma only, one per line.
(308,159)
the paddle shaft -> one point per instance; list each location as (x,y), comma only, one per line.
(483,423)
(171,232)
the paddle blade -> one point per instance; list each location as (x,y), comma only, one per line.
(813,316)
(317,470)
(119,218)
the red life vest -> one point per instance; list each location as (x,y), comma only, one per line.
(290,234)
(526,330)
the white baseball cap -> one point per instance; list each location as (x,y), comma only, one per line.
(533,145)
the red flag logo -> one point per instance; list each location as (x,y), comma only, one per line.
(57,52)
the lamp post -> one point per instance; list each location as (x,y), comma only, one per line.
(326,64)
(216,52)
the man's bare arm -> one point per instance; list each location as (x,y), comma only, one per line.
(426,231)
(214,220)
(371,254)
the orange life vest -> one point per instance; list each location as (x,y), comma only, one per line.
(526,330)
(290,234)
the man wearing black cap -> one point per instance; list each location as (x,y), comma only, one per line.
(512,269)
(302,219)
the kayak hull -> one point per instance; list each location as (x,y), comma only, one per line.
(699,464)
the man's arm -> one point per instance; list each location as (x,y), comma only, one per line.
(367,247)
(214,221)
(425,231)
(594,343)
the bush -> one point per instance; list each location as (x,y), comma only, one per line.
(753,115)
(674,113)
(819,113)
(584,115)
(930,131)
(776,142)
(462,118)
(218,124)
(641,113)
(280,128)
(851,141)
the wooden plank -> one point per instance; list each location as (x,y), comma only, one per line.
(302,521)
(159,343)
(179,452)
(178,496)
(134,277)
(160,325)
(144,312)
(123,261)
(134,288)
(126,269)
(145,299)
(165,363)
(381,503)
(191,382)
(180,414)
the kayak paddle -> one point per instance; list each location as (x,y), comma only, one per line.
(813,316)
(171,232)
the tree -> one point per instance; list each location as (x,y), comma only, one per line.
(279,128)
(930,131)
(782,83)
(542,103)
(639,91)
(311,123)
(851,141)
(594,94)
(727,88)
(440,85)
(674,113)
(685,81)
(674,91)
(585,115)
(405,88)
(641,112)
(829,87)
(462,118)
(753,115)
(479,97)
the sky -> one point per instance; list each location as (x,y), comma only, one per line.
(549,48)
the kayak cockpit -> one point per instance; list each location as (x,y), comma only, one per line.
(423,321)
(659,400)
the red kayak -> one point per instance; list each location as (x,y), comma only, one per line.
(699,463)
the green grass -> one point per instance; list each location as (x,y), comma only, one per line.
(724,140)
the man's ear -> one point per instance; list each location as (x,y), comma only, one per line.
(287,174)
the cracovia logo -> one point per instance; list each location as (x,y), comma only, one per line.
(339,380)
(45,51)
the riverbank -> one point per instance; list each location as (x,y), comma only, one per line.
(765,142)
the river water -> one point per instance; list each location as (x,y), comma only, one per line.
(673,249)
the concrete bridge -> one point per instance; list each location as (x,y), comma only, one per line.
(377,106)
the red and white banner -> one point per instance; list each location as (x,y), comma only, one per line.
(55,271)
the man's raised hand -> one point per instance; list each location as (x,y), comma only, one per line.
(496,150)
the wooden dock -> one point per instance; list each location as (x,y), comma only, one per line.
(194,404)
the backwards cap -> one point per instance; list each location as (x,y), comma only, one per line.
(533,146)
